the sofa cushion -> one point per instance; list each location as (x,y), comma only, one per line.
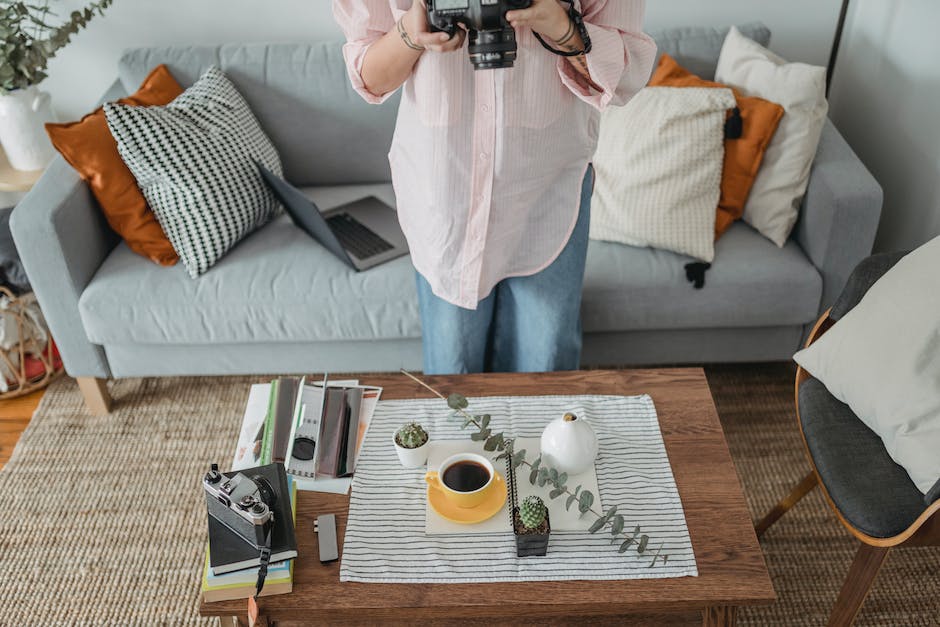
(301,95)
(751,283)
(277,285)
(697,48)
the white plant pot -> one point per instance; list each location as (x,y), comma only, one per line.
(569,444)
(23,114)
(412,457)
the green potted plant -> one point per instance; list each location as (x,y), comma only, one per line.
(411,444)
(532,527)
(27,42)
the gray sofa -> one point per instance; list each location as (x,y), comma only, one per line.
(279,303)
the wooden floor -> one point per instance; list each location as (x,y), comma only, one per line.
(14,416)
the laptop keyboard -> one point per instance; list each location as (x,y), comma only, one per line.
(356,237)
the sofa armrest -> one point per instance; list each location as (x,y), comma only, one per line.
(62,238)
(840,213)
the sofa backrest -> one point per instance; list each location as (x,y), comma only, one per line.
(326,133)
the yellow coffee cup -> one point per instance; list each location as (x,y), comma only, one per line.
(465,479)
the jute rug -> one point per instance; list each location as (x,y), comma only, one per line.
(103,520)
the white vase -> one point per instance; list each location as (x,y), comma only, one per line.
(23,114)
(569,444)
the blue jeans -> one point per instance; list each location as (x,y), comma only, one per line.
(526,324)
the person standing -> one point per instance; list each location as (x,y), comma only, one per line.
(491,168)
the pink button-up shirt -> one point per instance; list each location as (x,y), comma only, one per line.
(487,165)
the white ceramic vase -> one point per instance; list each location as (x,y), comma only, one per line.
(23,114)
(569,444)
(412,457)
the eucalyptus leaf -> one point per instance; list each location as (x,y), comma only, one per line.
(585,501)
(518,458)
(480,436)
(457,401)
(554,494)
(616,527)
(571,499)
(561,480)
(534,475)
(626,545)
(644,540)
(600,522)
(491,443)
(484,421)
(578,489)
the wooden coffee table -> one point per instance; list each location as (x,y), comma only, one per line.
(731,566)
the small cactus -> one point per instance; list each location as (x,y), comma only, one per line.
(411,435)
(532,512)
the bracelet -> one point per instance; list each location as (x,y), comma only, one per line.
(406,38)
(568,35)
(577,22)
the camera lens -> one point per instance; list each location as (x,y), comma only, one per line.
(492,49)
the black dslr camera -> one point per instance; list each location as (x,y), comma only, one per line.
(492,41)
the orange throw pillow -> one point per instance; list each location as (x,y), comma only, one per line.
(89,147)
(743,155)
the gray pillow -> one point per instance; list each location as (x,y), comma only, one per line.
(195,162)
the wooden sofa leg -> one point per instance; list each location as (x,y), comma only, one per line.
(96,395)
(865,567)
(803,488)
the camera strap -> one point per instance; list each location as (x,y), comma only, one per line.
(265,559)
(578,20)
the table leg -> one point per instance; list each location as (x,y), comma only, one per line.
(242,621)
(720,616)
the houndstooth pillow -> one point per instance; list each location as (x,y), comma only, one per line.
(194,160)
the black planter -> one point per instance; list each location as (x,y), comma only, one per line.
(530,544)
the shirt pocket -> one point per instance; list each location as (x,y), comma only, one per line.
(533,94)
(442,87)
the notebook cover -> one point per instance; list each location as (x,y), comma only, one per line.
(285,396)
(350,433)
(332,428)
(230,552)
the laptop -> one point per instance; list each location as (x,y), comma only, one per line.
(363,233)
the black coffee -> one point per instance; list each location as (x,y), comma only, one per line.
(466,476)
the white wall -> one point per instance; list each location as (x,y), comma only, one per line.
(82,72)
(886,101)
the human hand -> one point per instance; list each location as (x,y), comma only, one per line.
(416,24)
(546,17)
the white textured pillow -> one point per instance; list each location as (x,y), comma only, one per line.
(658,167)
(194,161)
(773,205)
(882,359)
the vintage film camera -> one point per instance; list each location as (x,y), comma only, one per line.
(491,40)
(243,504)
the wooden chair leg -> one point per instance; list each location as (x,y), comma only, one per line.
(802,489)
(865,567)
(96,395)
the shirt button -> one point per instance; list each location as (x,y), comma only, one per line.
(483,156)
(484,108)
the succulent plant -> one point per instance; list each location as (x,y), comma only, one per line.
(411,435)
(532,512)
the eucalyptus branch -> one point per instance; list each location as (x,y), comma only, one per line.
(542,475)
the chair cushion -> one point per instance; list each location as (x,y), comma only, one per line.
(872,492)
(751,283)
(277,285)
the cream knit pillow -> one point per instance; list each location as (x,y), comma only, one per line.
(658,168)
(773,205)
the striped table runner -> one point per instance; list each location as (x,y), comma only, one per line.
(385,539)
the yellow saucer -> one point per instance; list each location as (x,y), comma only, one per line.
(470,516)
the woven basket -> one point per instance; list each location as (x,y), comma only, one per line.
(34,344)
